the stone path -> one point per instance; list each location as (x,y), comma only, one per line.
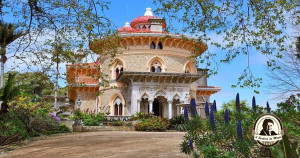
(108,144)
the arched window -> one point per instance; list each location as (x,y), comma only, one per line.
(189,68)
(158,69)
(152,45)
(156,66)
(152,69)
(118,68)
(118,107)
(117,72)
(159,46)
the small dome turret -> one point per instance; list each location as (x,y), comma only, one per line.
(126,28)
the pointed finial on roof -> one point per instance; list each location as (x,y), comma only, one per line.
(126,23)
(148,12)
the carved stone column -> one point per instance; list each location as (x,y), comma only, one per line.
(170,108)
(151,106)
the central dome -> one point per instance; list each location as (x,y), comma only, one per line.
(144,21)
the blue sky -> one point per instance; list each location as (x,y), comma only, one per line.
(121,11)
(227,74)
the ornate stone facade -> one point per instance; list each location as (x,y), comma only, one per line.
(152,74)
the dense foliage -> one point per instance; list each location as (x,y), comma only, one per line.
(228,133)
(88,119)
(26,118)
(25,115)
(236,27)
(93,119)
(178,123)
(152,124)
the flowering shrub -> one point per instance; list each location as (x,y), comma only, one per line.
(27,119)
(223,134)
(227,133)
(152,124)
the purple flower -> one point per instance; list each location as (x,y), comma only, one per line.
(55,117)
(239,130)
(206,109)
(253,104)
(186,115)
(215,106)
(193,107)
(191,144)
(268,107)
(226,117)
(237,102)
(212,119)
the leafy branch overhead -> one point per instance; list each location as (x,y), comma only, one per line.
(237,27)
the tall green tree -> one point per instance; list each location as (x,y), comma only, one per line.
(76,23)
(8,34)
(32,83)
(236,27)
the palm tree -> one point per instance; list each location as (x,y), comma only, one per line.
(8,92)
(8,34)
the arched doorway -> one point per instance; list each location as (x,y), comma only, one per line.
(159,105)
(156,108)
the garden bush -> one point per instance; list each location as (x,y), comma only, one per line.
(90,119)
(140,116)
(27,119)
(178,123)
(152,124)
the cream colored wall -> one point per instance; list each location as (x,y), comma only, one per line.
(88,101)
(138,60)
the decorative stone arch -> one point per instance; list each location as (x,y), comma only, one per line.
(189,67)
(160,92)
(117,67)
(176,96)
(145,96)
(156,62)
(117,104)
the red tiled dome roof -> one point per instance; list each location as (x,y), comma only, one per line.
(126,28)
(144,19)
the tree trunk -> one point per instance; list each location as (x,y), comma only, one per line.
(2,73)
(4,108)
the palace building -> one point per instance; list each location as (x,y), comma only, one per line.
(152,73)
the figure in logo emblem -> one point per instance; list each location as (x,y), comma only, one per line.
(267,128)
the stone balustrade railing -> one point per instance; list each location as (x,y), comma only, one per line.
(117,118)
